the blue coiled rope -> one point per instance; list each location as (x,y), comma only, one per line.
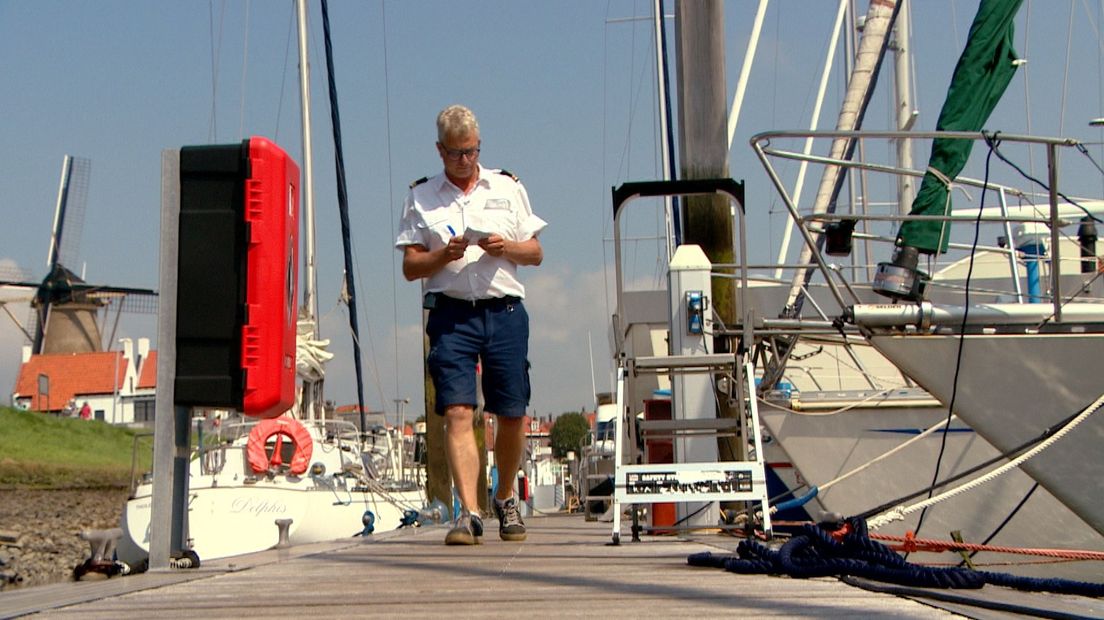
(816,553)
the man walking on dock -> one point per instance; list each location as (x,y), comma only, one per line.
(465,232)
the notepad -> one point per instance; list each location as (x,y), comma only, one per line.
(475,235)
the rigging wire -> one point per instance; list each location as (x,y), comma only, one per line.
(283,74)
(994,145)
(390,194)
(603,193)
(1011,454)
(245,66)
(343,210)
(374,367)
(962,332)
(1005,522)
(1066,73)
(216,50)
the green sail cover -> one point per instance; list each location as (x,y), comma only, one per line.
(980,78)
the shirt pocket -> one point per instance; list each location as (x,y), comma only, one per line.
(501,221)
(436,231)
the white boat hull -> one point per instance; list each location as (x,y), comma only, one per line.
(229,521)
(233,510)
(1054,377)
(823,447)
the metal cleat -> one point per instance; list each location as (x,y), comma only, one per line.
(283,525)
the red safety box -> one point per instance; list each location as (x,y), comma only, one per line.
(272,258)
(237,277)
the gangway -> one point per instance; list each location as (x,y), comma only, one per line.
(689,480)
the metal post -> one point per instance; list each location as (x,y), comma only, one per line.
(400,404)
(170,423)
(115,392)
(1056,258)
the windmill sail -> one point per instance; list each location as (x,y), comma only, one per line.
(76,174)
(64,313)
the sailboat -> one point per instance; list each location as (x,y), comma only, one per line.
(294,479)
(1015,375)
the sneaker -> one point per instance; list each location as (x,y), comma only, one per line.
(510,525)
(467,530)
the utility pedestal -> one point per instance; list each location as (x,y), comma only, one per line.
(692,396)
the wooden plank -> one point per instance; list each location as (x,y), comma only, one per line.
(565,569)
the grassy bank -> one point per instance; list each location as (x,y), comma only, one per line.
(40,451)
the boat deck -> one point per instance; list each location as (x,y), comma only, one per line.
(565,569)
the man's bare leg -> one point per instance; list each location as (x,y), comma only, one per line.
(509,447)
(463,456)
(509,450)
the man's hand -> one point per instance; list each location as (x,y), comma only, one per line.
(455,248)
(493,244)
(419,262)
(526,252)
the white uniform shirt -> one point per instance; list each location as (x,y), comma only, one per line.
(436,210)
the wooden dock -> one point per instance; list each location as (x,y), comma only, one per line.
(565,569)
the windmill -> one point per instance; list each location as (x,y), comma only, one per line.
(64,308)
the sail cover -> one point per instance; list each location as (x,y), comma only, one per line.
(983,72)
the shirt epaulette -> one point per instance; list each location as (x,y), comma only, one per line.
(418,182)
(509,174)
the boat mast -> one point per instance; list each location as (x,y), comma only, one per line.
(906,113)
(879,18)
(825,73)
(665,135)
(312,388)
(745,71)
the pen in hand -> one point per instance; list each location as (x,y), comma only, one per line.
(450,229)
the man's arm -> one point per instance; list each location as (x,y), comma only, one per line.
(421,262)
(528,252)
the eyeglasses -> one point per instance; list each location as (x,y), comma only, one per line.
(457,154)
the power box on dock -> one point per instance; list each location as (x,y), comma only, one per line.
(237,277)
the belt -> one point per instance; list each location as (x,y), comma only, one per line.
(440,300)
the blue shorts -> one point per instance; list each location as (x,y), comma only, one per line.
(492,331)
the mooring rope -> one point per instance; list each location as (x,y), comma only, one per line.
(849,551)
(899,512)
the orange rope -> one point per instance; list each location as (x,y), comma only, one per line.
(910,543)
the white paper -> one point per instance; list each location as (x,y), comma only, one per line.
(474,235)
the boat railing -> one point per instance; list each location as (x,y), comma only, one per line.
(139,474)
(1048,217)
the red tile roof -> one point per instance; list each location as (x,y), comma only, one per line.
(147,377)
(70,374)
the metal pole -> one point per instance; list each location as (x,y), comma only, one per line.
(661,92)
(308,162)
(167,510)
(825,73)
(1055,260)
(400,404)
(745,71)
(590,355)
(115,391)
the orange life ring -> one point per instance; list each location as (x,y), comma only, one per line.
(259,460)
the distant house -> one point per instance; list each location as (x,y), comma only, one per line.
(119,386)
(351,414)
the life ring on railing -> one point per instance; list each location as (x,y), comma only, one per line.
(260,462)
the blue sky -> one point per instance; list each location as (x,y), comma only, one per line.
(565,97)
